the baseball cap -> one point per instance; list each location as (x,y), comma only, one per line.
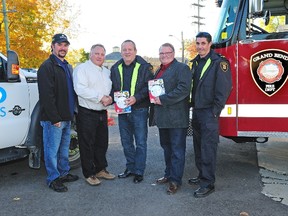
(59,38)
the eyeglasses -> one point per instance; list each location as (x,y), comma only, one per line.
(166,53)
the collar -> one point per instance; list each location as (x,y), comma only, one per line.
(205,58)
(164,67)
(59,61)
(133,63)
(197,58)
(100,68)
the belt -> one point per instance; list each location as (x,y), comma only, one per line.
(94,111)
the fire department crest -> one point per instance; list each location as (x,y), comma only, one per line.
(224,66)
(269,70)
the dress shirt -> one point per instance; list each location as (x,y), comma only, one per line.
(162,70)
(91,83)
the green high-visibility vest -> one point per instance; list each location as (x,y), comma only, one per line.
(134,77)
(208,62)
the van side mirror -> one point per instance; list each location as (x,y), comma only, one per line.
(13,67)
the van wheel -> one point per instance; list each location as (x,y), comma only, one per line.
(74,153)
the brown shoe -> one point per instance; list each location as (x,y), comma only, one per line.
(93,180)
(105,175)
(172,188)
(162,180)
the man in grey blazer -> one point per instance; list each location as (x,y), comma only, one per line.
(171,115)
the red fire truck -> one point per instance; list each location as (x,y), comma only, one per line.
(253,36)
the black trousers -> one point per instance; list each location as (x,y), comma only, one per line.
(92,130)
(205,140)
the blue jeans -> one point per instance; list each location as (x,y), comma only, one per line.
(134,125)
(173,142)
(56,142)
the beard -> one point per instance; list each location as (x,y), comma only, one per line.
(61,53)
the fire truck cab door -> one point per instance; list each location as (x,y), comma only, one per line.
(262,79)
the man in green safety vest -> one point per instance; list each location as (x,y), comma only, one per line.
(131,74)
(212,85)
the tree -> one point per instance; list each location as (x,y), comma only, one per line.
(84,56)
(74,57)
(191,48)
(32,26)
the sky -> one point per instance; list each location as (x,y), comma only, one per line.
(147,22)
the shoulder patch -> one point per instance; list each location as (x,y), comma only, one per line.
(224,66)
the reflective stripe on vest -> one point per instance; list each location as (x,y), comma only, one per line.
(134,77)
(208,62)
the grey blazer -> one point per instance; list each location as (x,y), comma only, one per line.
(174,111)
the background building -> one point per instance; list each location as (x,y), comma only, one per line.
(113,57)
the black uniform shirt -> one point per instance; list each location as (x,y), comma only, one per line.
(127,76)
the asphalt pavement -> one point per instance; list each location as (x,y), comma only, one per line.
(238,187)
(272,160)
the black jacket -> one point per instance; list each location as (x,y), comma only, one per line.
(214,86)
(53,91)
(141,88)
(174,111)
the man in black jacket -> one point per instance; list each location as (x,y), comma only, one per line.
(131,74)
(172,115)
(57,102)
(211,87)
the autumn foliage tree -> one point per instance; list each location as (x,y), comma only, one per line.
(32,25)
(191,49)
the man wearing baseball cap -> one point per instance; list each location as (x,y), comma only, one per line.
(59,38)
(57,103)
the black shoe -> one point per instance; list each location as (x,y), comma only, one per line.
(194,181)
(58,186)
(69,178)
(204,191)
(172,188)
(138,178)
(126,174)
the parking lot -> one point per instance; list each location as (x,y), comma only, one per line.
(238,187)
